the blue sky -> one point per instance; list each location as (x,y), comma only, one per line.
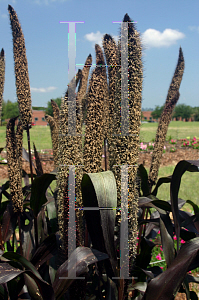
(164,27)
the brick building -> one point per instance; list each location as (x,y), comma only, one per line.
(38,117)
(146,116)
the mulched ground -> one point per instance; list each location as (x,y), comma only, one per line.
(168,158)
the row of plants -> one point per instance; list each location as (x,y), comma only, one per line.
(191,143)
(38,257)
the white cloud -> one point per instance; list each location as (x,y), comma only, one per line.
(193,28)
(96,38)
(43,90)
(154,38)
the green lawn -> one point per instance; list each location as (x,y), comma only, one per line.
(40,135)
(188,188)
(176,130)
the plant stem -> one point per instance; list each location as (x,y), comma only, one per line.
(20,236)
(144,229)
(36,232)
(30,159)
(140,232)
(1,242)
(31,173)
(86,236)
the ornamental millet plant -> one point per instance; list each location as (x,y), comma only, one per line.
(21,78)
(71,154)
(171,100)
(125,149)
(14,163)
(94,134)
(55,108)
(112,60)
(2,78)
(21,70)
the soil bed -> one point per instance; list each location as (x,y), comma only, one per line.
(168,158)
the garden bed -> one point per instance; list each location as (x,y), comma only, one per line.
(168,158)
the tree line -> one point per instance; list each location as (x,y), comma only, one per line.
(181,111)
(10,110)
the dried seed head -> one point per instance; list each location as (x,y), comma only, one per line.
(21,70)
(69,154)
(172,98)
(124,150)
(55,108)
(81,95)
(14,171)
(19,141)
(94,134)
(2,78)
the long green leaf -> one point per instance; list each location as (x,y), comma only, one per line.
(18,258)
(33,289)
(195,206)
(39,187)
(166,227)
(8,272)
(46,250)
(80,259)
(166,285)
(99,190)
(160,182)
(8,222)
(144,180)
(180,169)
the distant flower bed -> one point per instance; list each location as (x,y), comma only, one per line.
(149,147)
(193,143)
(173,142)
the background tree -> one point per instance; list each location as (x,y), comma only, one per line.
(49,110)
(184,111)
(196,113)
(9,109)
(157,112)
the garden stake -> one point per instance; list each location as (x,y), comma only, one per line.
(29,153)
(2,78)
(105,153)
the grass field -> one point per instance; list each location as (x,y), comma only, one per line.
(40,135)
(176,130)
(188,188)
